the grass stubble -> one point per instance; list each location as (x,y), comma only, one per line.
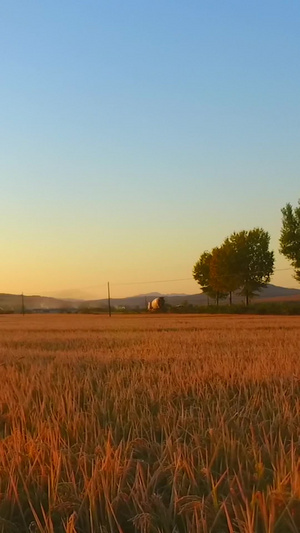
(170,424)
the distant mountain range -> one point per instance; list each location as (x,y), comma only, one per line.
(13,302)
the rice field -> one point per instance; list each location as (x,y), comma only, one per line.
(145,424)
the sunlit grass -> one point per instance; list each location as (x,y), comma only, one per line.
(149,424)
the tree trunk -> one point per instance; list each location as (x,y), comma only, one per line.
(217,299)
(247,298)
(230,298)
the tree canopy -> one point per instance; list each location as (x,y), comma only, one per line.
(223,269)
(242,263)
(202,274)
(290,236)
(253,262)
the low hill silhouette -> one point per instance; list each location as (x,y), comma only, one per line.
(13,302)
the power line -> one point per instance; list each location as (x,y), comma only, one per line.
(128,283)
(156,281)
(281,269)
(181,279)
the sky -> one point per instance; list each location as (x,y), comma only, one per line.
(135,135)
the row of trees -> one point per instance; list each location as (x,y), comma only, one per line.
(244,263)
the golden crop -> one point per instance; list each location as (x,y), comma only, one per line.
(167,424)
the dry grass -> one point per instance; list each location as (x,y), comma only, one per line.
(164,424)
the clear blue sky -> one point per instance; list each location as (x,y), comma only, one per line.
(137,134)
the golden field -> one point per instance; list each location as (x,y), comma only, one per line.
(167,424)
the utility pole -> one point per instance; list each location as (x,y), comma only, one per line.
(108,298)
(23,306)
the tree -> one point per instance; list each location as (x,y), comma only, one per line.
(201,271)
(290,236)
(202,274)
(223,269)
(252,261)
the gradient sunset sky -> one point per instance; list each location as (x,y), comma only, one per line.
(137,134)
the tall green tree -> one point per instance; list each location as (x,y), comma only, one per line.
(253,262)
(202,274)
(223,269)
(290,236)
